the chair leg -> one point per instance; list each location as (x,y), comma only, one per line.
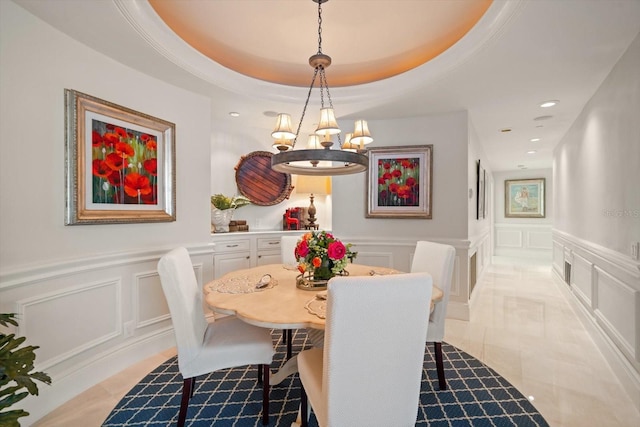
(193,387)
(304,404)
(265,395)
(442,382)
(260,374)
(289,334)
(187,391)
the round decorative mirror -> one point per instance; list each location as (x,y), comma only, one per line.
(258,182)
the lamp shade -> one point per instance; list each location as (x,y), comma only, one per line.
(283,127)
(310,184)
(327,124)
(361,135)
(314,142)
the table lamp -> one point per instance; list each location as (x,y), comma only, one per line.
(314,185)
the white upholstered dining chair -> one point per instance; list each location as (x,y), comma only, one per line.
(207,346)
(370,369)
(287,248)
(437,259)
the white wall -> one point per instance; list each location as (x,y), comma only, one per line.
(38,63)
(523,237)
(448,134)
(88,295)
(597,214)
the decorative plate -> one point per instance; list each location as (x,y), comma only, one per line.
(258,182)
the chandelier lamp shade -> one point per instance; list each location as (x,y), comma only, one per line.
(320,157)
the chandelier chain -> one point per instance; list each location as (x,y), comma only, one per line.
(319,27)
(304,109)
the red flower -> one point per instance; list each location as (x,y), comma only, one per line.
(387,176)
(110,139)
(114,161)
(151,144)
(316,261)
(124,149)
(301,268)
(403,191)
(405,163)
(393,187)
(151,166)
(336,250)
(135,184)
(396,173)
(114,178)
(96,138)
(302,249)
(411,181)
(144,137)
(387,165)
(100,168)
(381,181)
(121,132)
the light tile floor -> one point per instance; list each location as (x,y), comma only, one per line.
(521,325)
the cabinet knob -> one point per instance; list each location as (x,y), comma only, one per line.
(259,256)
(248,257)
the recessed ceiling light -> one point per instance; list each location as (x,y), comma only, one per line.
(520,166)
(234,114)
(534,139)
(549,103)
(531,152)
(537,119)
(505,130)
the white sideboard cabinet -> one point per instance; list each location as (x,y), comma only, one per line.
(238,250)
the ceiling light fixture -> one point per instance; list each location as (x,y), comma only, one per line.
(531,152)
(534,139)
(348,158)
(550,103)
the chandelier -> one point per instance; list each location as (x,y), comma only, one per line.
(320,157)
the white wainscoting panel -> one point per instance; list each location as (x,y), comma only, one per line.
(43,317)
(606,289)
(523,240)
(380,259)
(582,279)
(150,304)
(92,317)
(509,238)
(616,307)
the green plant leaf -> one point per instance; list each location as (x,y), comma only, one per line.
(10,418)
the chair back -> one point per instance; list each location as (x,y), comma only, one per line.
(436,259)
(374,349)
(287,248)
(184,298)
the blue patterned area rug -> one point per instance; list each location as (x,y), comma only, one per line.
(476,396)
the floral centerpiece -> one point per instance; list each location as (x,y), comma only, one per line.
(321,256)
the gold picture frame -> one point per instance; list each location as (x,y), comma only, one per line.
(119,164)
(399,182)
(524,198)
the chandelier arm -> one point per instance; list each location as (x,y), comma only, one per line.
(304,109)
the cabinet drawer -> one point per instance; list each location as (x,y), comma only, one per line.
(269,243)
(232,246)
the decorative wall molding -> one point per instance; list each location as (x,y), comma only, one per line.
(523,240)
(93,317)
(605,285)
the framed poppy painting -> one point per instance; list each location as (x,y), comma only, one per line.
(399,182)
(119,164)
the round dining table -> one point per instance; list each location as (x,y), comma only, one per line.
(280,304)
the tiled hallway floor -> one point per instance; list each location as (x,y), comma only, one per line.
(521,325)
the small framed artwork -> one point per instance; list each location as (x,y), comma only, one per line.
(524,198)
(119,164)
(480,190)
(399,182)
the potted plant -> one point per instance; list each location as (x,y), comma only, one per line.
(16,373)
(222,208)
